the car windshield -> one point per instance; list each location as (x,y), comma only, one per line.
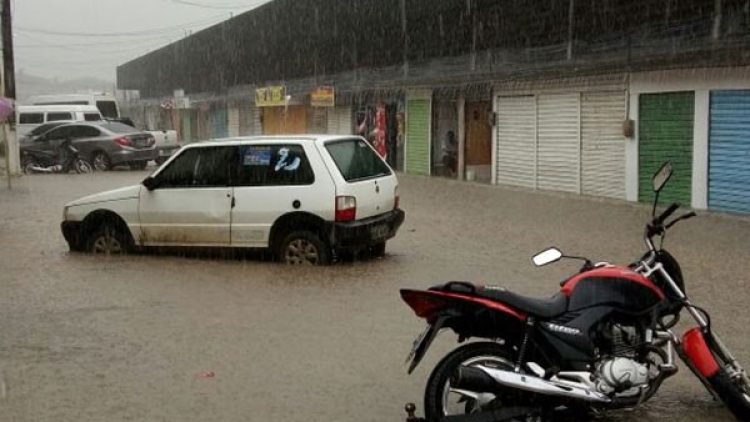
(356,160)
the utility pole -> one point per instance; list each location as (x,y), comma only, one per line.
(8,84)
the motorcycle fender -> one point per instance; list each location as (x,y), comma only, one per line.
(420,348)
(696,350)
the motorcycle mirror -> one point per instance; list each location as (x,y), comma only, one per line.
(661,176)
(150,183)
(547,256)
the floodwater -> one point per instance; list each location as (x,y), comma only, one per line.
(168,337)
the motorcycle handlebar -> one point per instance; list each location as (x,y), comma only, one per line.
(663,216)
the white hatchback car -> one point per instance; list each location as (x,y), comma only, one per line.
(303,197)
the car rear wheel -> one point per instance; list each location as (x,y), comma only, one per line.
(101,161)
(304,248)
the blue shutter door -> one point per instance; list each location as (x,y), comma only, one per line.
(219,123)
(729,152)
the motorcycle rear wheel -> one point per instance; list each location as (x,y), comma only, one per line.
(83,167)
(439,396)
(730,383)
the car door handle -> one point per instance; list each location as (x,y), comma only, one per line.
(233,202)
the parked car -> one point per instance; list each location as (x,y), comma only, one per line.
(166,140)
(305,198)
(104,144)
(29,117)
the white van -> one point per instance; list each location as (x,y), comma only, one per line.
(29,117)
(107,104)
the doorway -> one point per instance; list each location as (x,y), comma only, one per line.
(478,144)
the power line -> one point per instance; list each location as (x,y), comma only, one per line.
(215,7)
(152,31)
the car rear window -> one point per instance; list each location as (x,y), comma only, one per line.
(356,160)
(118,127)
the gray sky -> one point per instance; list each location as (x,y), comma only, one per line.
(69,39)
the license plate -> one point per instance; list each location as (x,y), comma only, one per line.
(418,342)
(379,232)
(166,152)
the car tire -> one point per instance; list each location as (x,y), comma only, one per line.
(304,248)
(377,250)
(137,165)
(107,239)
(101,161)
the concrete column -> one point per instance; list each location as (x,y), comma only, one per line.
(631,154)
(700,150)
(461,112)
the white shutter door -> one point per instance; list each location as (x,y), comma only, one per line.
(340,120)
(516,141)
(233,117)
(603,145)
(318,120)
(257,126)
(558,151)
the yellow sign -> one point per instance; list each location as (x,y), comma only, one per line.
(270,96)
(324,96)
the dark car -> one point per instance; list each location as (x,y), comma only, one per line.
(104,144)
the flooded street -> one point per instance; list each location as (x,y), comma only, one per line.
(166,337)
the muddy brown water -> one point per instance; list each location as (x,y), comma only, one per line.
(170,337)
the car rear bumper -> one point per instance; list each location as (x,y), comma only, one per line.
(366,232)
(166,151)
(125,155)
(71,231)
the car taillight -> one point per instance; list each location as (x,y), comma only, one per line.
(397,199)
(346,208)
(123,141)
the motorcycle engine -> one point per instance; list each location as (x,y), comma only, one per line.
(620,372)
(619,375)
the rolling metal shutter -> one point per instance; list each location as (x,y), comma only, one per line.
(219,123)
(340,120)
(233,118)
(558,145)
(318,120)
(603,144)
(516,141)
(185,125)
(247,120)
(665,132)
(729,152)
(418,136)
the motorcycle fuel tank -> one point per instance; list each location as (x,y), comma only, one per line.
(618,287)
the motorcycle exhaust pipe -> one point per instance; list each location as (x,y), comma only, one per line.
(486,379)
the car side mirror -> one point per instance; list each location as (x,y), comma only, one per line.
(547,256)
(150,183)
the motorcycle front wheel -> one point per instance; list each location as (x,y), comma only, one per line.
(731,382)
(83,167)
(442,400)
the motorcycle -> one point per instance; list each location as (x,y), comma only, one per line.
(65,159)
(604,341)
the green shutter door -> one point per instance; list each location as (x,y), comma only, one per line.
(665,132)
(418,136)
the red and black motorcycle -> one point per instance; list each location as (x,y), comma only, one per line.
(605,341)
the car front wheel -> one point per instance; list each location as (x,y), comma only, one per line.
(107,240)
(304,248)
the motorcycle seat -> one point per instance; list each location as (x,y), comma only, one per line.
(541,308)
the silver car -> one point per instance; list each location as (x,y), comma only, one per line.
(104,144)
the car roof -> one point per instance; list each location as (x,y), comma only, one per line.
(57,107)
(280,139)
